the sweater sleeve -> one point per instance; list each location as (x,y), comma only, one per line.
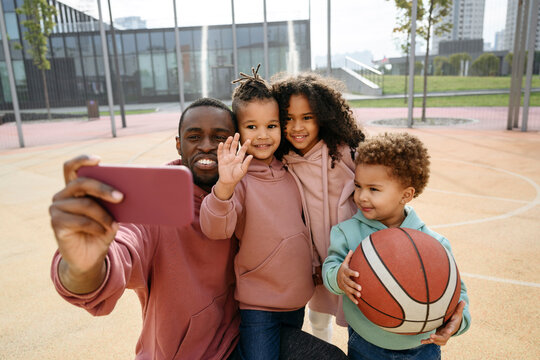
(219,218)
(337,252)
(128,264)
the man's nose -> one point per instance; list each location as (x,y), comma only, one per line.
(207,144)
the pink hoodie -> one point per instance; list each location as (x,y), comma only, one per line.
(184,281)
(274,263)
(328,192)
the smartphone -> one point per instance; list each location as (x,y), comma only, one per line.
(161,195)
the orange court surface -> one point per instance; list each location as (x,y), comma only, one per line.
(483,195)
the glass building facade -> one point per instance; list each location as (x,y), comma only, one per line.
(146,59)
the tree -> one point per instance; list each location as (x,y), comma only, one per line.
(442,66)
(437,13)
(39,25)
(486,65)
(433,20)
(458,62)
(403,23)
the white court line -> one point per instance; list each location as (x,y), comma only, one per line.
(508,281)
(526,207)
(478,196)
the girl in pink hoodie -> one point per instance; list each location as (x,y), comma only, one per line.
(259,202)
(321,137)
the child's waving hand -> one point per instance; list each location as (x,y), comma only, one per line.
(345,282)
(232,166)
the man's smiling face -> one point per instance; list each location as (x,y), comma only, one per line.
(202,129)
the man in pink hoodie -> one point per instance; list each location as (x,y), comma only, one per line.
(97,259)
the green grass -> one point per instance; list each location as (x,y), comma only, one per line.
(395,84)
(446,101)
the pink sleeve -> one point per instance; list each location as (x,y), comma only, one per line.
(219,218)
(128,263)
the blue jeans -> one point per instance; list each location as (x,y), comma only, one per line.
(360,349)
(260,332)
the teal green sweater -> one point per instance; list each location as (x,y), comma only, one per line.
(347,236)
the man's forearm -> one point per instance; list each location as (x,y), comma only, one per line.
(84,283)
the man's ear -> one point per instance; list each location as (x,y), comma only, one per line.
(408,195)
(178,145)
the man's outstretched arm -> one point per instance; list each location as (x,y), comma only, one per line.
(83,229)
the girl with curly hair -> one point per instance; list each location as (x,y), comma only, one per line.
(320,138)
(256,200)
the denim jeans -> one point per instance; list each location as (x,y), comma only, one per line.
(360,349)
(260,332)
(296,344)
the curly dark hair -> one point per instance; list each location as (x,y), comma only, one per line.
(337,125)
(403,153)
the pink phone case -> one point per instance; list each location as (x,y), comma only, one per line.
(160,195)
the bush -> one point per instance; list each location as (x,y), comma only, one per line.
(442,66)
(485,65)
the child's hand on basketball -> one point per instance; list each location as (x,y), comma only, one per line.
(345,281)
(443,334)
(232,166)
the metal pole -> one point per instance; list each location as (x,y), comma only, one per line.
(515,89)
(12,87)
(179,64)
(309,27)
(265,34)
(235,44)
(412,51)
(119,86)
(533,23)
(521,60)
(329,50)
(107,70)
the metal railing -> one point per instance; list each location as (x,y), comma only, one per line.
(366,71)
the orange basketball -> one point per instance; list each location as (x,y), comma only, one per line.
(410,282)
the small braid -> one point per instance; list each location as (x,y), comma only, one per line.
(245,77)
(252,87)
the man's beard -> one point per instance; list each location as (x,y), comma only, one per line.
(204,183)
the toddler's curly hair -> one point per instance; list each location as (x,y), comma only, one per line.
(403,153)
(337,125)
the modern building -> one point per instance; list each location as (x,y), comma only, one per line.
(130,22)
(499,40)
(147,59)
(510,27)
(467,19)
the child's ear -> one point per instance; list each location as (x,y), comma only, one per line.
(408,195)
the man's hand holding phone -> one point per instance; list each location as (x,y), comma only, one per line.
(83,228)
(85,214)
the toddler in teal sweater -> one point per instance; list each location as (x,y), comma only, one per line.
(391,170)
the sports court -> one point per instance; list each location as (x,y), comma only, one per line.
(483,195)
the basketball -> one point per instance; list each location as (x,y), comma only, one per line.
(410,282)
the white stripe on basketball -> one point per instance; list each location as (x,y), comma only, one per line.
(415,312)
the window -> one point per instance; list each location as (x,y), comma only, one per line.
(129,43)
(143,42)
(11,25)
(157,40)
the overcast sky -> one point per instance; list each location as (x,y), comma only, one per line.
(357,25)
